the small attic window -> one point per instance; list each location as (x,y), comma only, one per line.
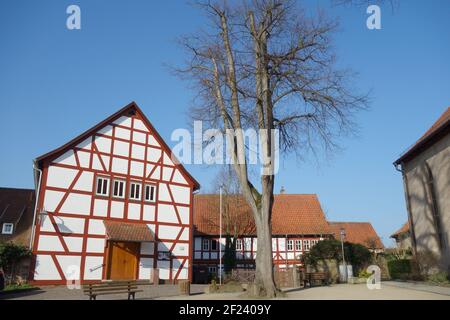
(7,228)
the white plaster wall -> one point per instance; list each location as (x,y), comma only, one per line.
(85,181)
(137,169)
(138,124)
(70,225)
(123,121)
(145,268)
(100,208)
(117,209)
(84,158)
(119,165)
(96,226)
(181,249)
(93,263)
(52,199)
(121,148)
(149,213)
(166,213)
(49,243)
(139,137)
(77,204)
(95,245)
(138,151)
(153,154)
(184,214)
(45,268)
(67,158)
(181,194)
(60,177)
(168,232)
(134,211)
(178,177)
(70,265)
(74,244)
(123,133)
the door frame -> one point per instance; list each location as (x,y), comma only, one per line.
(108,255)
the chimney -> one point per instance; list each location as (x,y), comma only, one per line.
(282,190)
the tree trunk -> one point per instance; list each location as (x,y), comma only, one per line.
(264,285)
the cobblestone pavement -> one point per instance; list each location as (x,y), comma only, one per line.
(63,293)
(389,291)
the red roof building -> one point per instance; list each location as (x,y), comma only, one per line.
(358,232)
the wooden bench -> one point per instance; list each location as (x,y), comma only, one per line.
(314,277)
(111,287)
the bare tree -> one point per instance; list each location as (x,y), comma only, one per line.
(265,65)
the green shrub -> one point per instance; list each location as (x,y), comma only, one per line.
(399,269)
(364,274)
(355,254)
(439,278)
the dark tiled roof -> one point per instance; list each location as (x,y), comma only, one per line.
(14,203)
(441,125)
(292,214)
(358,232)
(126,231)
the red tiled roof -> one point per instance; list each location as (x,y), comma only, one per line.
(291,214)
(127,231)
(357,232)
(442,124)
(403,229)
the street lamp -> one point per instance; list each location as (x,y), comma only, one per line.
(343,253)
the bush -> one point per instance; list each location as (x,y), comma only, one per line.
(399,269)
(364,274)
(439,278)
(355,254)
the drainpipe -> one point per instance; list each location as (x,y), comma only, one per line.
(33,227)
(399,168)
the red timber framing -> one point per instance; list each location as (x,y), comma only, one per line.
(70,173)
(283,254)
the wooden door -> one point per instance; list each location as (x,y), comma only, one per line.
(122,264)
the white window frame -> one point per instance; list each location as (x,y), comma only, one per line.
(124,189)
(290,245)
(298,245)
(108,180)
(149,185)
(5,225)
(306,245)
(205,245)
(314,242)
(212,269)
(133,183)
(239,244)
(217,245)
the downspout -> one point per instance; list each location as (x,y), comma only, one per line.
(38,189)
(399,168)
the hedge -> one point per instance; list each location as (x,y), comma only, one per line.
(399,268)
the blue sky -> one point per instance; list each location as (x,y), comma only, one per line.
(56,83)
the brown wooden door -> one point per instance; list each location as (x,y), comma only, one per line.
(122,263)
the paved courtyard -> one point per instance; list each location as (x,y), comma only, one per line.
(390,290)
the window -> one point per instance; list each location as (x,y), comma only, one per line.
(7,228)
(212,269)
(290,245)
(205,245)
(213,245)
(239,244)
(306,245)
(150,193)
(102,186)
(119,189)
(298,245)
(314,242)
(135,191)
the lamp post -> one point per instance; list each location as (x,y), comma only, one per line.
(343,253)
(220,238)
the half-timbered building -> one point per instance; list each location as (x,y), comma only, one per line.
(113,204)
(298,223)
